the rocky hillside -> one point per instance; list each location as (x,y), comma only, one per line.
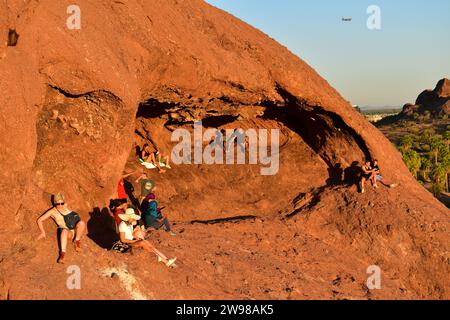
(431,103)
(76,103)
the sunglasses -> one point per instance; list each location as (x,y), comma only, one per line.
(60,204)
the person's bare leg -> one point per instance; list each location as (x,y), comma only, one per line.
(155,162)
(63,238)
(166,161)
(373,179)
(149,247)
(80,230)
(363,182)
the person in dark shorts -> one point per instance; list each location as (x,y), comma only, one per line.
(70,225)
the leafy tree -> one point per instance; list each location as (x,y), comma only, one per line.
(426,167)
(406,143)
(436,148)
(437,189)
(446,137)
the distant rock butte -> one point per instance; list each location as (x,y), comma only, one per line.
(436,102)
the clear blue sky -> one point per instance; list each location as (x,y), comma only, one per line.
(389,67)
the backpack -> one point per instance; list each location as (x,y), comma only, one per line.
(71,219)
(121,247)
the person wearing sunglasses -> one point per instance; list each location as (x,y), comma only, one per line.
(70,225)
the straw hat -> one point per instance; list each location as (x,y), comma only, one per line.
(129,215)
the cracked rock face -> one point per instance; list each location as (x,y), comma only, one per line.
(77,102)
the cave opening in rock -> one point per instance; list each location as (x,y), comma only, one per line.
(315,149)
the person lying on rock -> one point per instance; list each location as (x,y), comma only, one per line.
(70,225)
(367,174)
(135,237)
(379,177)
(151,214)
(152,158)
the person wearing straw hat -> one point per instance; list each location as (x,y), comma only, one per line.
(70,225)
(135,237)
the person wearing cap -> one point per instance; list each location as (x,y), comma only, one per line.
(152,216)
(147,185)
(135,236)
(61,214)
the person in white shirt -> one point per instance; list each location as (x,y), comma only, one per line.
(135,237)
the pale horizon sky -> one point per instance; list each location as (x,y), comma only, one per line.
(389,67)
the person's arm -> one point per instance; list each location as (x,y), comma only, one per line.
(125,240)
(40,223)
(139,233)
(141,177)
(152,209)
(160,214)
(364,169)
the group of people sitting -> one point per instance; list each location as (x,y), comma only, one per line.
(370,171)
(132,224)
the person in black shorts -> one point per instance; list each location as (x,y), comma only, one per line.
(367,174)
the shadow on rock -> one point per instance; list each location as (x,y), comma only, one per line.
(101,228)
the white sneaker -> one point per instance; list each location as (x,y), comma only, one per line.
(171,262)
(363,190)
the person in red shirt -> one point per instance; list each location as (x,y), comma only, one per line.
(121,193)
